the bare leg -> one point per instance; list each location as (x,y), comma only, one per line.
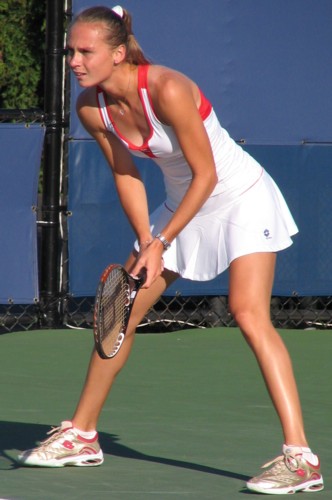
(102,373)
(251,279)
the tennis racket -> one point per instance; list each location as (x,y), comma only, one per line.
(114,300)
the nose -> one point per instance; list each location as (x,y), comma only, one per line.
(73,59)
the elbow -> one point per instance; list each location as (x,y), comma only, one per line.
(213,180)
(206,182)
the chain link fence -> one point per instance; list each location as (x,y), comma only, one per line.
(179,312)
(168,314)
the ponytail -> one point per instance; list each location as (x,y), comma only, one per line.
(135,54)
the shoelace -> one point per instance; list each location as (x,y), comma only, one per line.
(283,465)
(56,431)
(291,462)
(281,469)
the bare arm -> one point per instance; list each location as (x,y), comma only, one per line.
(178,108)
(175,100)
(127,179)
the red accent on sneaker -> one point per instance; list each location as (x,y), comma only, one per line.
(87,451)
(68,444)
(85,440)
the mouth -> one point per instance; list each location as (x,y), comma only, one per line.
(79,75)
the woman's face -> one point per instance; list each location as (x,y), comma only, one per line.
(89,56)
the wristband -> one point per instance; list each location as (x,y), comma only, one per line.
(166,244)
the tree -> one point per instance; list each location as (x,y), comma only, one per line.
(22,43)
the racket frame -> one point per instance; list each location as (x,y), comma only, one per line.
(134,284)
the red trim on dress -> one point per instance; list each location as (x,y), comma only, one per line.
(144,148)
(205,109)
(99,91)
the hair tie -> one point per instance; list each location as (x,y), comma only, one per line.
(118,10)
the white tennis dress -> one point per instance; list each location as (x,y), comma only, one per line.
(246,213)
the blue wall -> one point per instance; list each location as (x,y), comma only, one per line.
(20,148)
(265,66)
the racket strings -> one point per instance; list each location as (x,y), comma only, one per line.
(114,307)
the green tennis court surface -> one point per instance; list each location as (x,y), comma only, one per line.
(189,417)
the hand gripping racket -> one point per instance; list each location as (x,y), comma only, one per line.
(115,297)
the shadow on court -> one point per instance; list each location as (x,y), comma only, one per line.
(190,415)
(17,436)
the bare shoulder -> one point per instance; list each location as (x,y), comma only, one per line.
(162,78)
(169,86)
(87,98)
(87,109)
(157,72)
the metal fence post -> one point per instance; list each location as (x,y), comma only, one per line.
(53,107)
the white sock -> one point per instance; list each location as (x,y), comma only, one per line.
(306,452)
(85,435)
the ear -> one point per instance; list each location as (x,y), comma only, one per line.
(119,54)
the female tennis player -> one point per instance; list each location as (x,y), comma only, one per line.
(222,211)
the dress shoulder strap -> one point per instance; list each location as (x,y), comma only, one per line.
(143,76)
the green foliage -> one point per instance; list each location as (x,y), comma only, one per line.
(22,36)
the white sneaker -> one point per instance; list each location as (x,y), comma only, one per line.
(289,473)
(64,447)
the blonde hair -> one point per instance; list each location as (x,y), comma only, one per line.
(118,29)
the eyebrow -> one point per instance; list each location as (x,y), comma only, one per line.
(83,47)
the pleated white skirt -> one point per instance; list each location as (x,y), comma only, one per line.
(258,220)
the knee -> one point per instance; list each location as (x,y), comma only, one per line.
(252,323)
(244,319)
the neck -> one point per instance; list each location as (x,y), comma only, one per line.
(121,99)
(121,85)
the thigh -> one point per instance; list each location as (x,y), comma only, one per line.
(251,280)
(146,297)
